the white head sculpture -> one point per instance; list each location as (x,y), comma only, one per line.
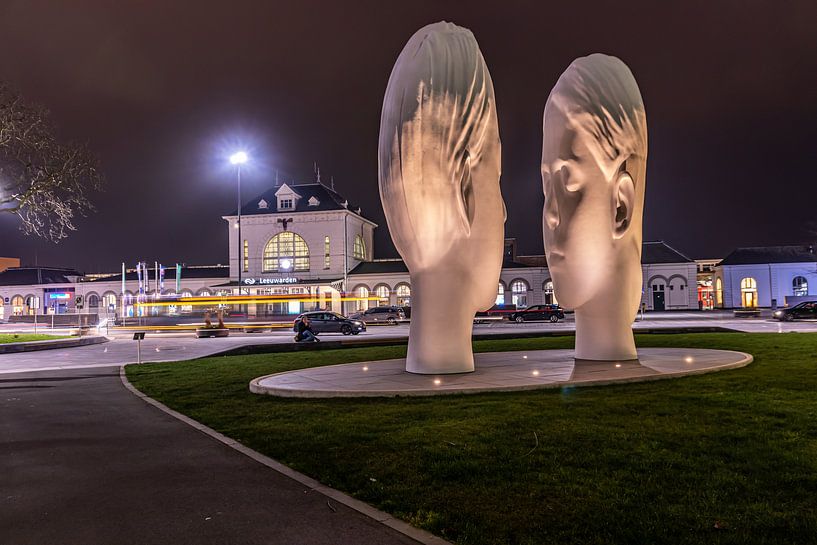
(439,167)
(594,158)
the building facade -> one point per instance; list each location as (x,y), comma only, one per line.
(308,247)
(768,276)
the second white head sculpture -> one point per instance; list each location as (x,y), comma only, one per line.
(439,168)
(594,158)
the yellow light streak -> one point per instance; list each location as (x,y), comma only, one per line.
(210,301)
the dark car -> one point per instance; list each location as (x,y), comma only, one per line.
(804,310)
(552,313)
(322,321)
(389,315)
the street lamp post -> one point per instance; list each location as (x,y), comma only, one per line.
(238,159)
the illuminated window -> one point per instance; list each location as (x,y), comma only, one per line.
(550,294)
(799,286)
(363,298)
(403,293)
(359,249)
(184,294)
(748,292)
(327,259)
(286,252)
(718,292)
(382,292)
(246,256)
(93,301)
(204,293)
(110,301)
(500,294)
(17,305)
(519,294)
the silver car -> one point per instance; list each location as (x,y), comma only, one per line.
(390,315)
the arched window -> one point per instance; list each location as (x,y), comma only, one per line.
(204,292)
(519,294)
(799,285)
(500,294)
(359,248)
(363,298)
(93,301)
(550,295)
(748,292)
(403,293)
(110,301)
(17,304)
(719,292)
(382,292)
(286,252)
(327,257)
(185,294)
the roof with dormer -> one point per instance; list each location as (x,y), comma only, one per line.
(312,197)
(762,255)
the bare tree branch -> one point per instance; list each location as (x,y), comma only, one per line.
(46,183)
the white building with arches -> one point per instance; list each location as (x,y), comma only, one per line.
(767,276)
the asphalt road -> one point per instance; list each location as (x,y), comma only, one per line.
(84,461)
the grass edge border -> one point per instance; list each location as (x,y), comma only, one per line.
(421,536)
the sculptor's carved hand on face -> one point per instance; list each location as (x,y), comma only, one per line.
(439,159)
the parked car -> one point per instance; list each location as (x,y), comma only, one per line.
(553,313)
(806,309)
(330,322)
(389,315)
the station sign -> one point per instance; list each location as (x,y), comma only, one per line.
(60,295)
(267,281)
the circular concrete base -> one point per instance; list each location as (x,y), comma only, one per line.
(495,371)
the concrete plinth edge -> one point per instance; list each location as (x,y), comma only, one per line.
(32,346)
(421,536)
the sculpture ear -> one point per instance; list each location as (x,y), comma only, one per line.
(466,195)
(623,202)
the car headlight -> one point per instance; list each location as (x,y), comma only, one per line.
(778,313)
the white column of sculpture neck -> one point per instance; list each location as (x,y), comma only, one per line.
(439,167)
(594,158)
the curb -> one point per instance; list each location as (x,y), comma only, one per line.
(32,346)
(421,536)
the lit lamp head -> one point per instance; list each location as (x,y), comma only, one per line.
(286,264)
(439,167)
(594,156)
(239,158)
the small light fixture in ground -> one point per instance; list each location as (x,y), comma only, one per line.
(618,365)
(535,373)
(365,367)
(524,357)
(688,359)
(437,382)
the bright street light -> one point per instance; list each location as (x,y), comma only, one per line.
(238,158)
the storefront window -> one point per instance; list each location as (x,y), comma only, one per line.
(403,293)
(550,294)
(382,293)
(246,256)
(799,286)
(17,305)
(748,291)
(362,293)
(327,258)
(519,294)
(186,308)
(286,252)
(500,294)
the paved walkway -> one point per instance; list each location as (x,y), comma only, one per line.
(495,371)
(83,461)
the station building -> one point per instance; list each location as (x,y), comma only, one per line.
(307,243)
(767,276)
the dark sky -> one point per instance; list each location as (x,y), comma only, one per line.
(163,91)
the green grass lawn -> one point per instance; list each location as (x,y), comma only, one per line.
(729,457)
(6,338)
